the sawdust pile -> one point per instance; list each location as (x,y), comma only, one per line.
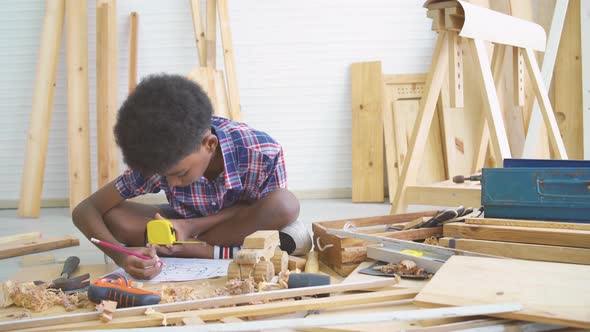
(405,268)
(170,294)
(433,241)
(38,298)
(237,287)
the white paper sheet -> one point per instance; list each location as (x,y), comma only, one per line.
(184,269)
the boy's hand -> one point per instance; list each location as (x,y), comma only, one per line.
(181,227)
(141,268)
(169,250)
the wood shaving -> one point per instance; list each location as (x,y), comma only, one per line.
(178,294)
(405,267)
(39,298)
(237,287)
(284,279)
(20,315)
(433,241)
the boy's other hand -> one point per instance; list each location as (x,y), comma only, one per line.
(142,268)
(168,250)
(181,228)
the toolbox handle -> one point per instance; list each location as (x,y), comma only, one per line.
(542,182)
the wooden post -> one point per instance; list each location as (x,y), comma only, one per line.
(36,151)
(199,33)
(230,66)
(455,70)
(211,33)
(585,28)
(518,76)
(434,80)
(77,86)
(133,31)
(106,85)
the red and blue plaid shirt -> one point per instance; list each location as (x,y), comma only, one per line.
(253,167)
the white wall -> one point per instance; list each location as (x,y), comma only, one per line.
(292,57)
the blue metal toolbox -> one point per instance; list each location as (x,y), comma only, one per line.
(541,190)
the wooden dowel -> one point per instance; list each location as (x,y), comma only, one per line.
(77,87)
(36,151)
(211,33)
(133,32)
(199,33)
(106,101)
(230,65)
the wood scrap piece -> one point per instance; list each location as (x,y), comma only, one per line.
(296,263)
(312,263)
(280,260)
(527,223)
(261,240)
(23,247)
(555,302)
(549,236)
(18,237)
(536,252)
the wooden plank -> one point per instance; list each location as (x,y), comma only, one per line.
(211,33)
(22,236)
(106,91)
(230,65)
(29,203)
(492,111)
(527,223)
(466,195)
(568,83)
(534,252)
(409,235)
(549,236)
(460,280)
(423,122)
(221,95)
(261,240)
(23,247)
(199,33)
(403,79)
(545,105)
(535,142)
(133,32)
(367,133)
(518,76)
(585,36)
(455,70)
(77,90)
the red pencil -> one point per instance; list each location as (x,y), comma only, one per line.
(121,249)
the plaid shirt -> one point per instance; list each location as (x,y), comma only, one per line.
(253,167)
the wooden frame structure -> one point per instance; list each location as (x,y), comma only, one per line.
(460,24)
(226,102)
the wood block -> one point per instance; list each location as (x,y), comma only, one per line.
(23,247)
(536,252)
(538,286)
(527,223)
(109,306)
(558,237)
(37,259)
(296,263)
(246,271)
(367,132)
(261,240)
(312,264)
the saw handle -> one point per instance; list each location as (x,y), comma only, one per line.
(70,265)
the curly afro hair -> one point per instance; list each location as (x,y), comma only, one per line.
(162,122)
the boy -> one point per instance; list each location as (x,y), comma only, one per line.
(223,180)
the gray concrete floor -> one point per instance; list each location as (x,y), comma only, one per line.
(57,221)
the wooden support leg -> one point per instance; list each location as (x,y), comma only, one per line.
(133,31)
(438,70)
(106,86)
(199,33)
(491,102)
(498,74)
(230,65)
(32,181)
(545,105)
(211,33)
(455,69)
(77,87)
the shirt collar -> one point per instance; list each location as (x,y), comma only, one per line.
(228,151)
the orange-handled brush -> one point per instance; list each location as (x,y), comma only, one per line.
(115,287)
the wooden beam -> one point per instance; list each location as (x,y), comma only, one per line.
(549,236)
(175,318)
(133,32)
(545,105)
(77,87)
(444,195)
(585,36)
(527,223)
(230,65)
(199,33)
(211,33)
(492,111)
(534,252)
(455,70)
(29,203)
(24,247)
(18,237)
(438,70)
(106,91)
(518,76)
(534,138)
(43,323)
(367,132)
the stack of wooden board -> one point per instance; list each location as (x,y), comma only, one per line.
(343,255)
(523,239)
(29,243)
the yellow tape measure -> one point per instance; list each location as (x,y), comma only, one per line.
(161,232)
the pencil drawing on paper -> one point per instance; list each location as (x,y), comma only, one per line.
(183,269)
